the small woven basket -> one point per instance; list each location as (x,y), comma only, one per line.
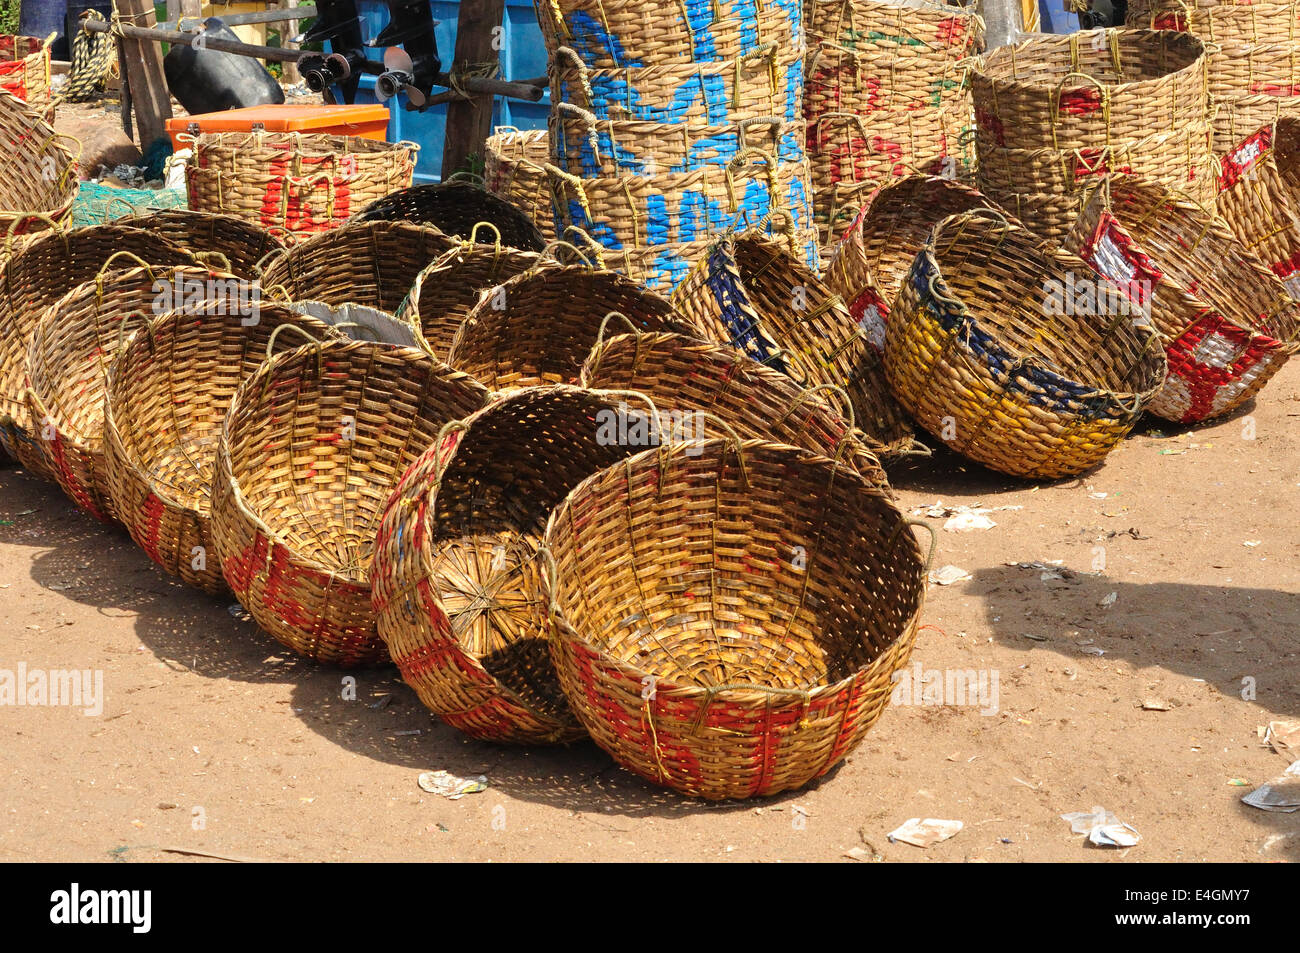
(312,447)
(234,244)
(878,249)
(988,349)
(42,270)
(454,208)
(687,379)
(71,351)
(445,292)
(631,33)
(168,393)
(459,587)
(367,263)
(538,327)
(752,293)
(40,180)
(745,653)
(1226,323)
(1260,198)
(514,167)
(294,184)
(25,69)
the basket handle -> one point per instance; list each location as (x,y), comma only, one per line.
(121,331)
(593,246)
(259,268)
(549,252)
(38,216)
(496,232)
(99,275)
(934,539)
(270,342)
(210,258)
(637,395)
(447,429)
(552,582)
(131,210)
(356,324)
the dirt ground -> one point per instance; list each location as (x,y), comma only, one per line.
(213,740)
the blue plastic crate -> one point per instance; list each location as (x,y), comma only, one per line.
(523,56)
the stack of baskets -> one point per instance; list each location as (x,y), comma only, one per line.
(1251,49)
(25,69)
(293,185)
(1054,115)
(663,137)
(884,95)
(514,167)
(40,181)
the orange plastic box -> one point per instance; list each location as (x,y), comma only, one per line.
(369,121)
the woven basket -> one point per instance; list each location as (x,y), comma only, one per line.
(745,653)
(1260,198)
(458,584)
(592,148)
(1239,119)
(711,93)
(985,358)
(368,263)
(69,356)
(293,184)
(40,180)
(168,392)
(25,69)
(877,252)
(1223,24)
(41,271)
(648,211)
(454,208)
(1226,323)
(239,246)
(538,327)
(313,446)
(886,28)
(635,33)
(752,293)
(687,378)
(445,292)
(514,167)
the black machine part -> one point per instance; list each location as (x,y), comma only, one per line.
(205,80)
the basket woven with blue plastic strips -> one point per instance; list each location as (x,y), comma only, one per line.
(622,34)
(1017,355)
(762,83)
(750,291)
(591,147)
(647,211)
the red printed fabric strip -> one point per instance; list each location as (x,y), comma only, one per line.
(870,311)
(1281,90)
(1242,159)
(1079,102)
(1212,364)
(991,124)
(1113,253)
(274,195)
(1170,21)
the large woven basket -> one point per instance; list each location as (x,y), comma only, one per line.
(752,293)
(868,26)
(713,92)
(40,180)
(367,263)
(312,447)
(1083,97)
(592,148)
(294,184)
(459,586)
(41,271)
(1260,198)
(1227,324)
(634,33)
(989,349)
(514,167)
(687,378)
(448,289)
(72,349)
(168,393)
(742,654)
(25,69)
(222,240)
(538,327)
(878,249)
(454,208)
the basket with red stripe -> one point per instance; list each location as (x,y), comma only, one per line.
(1227,323)
(25,69)
(1259,198)
(293,184)
(740,655)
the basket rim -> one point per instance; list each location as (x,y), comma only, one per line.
(562,629)
(989,67)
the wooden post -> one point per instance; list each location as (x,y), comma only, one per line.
(469,121)
(290,75)
(144,72)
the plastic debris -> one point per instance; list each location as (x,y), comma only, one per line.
(1108,600)
(1283,737)
(1103,828)
(937,510)
(1154,704)
(925,833)
(967,522)
(947,575)
(450,786)
(1281,795)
